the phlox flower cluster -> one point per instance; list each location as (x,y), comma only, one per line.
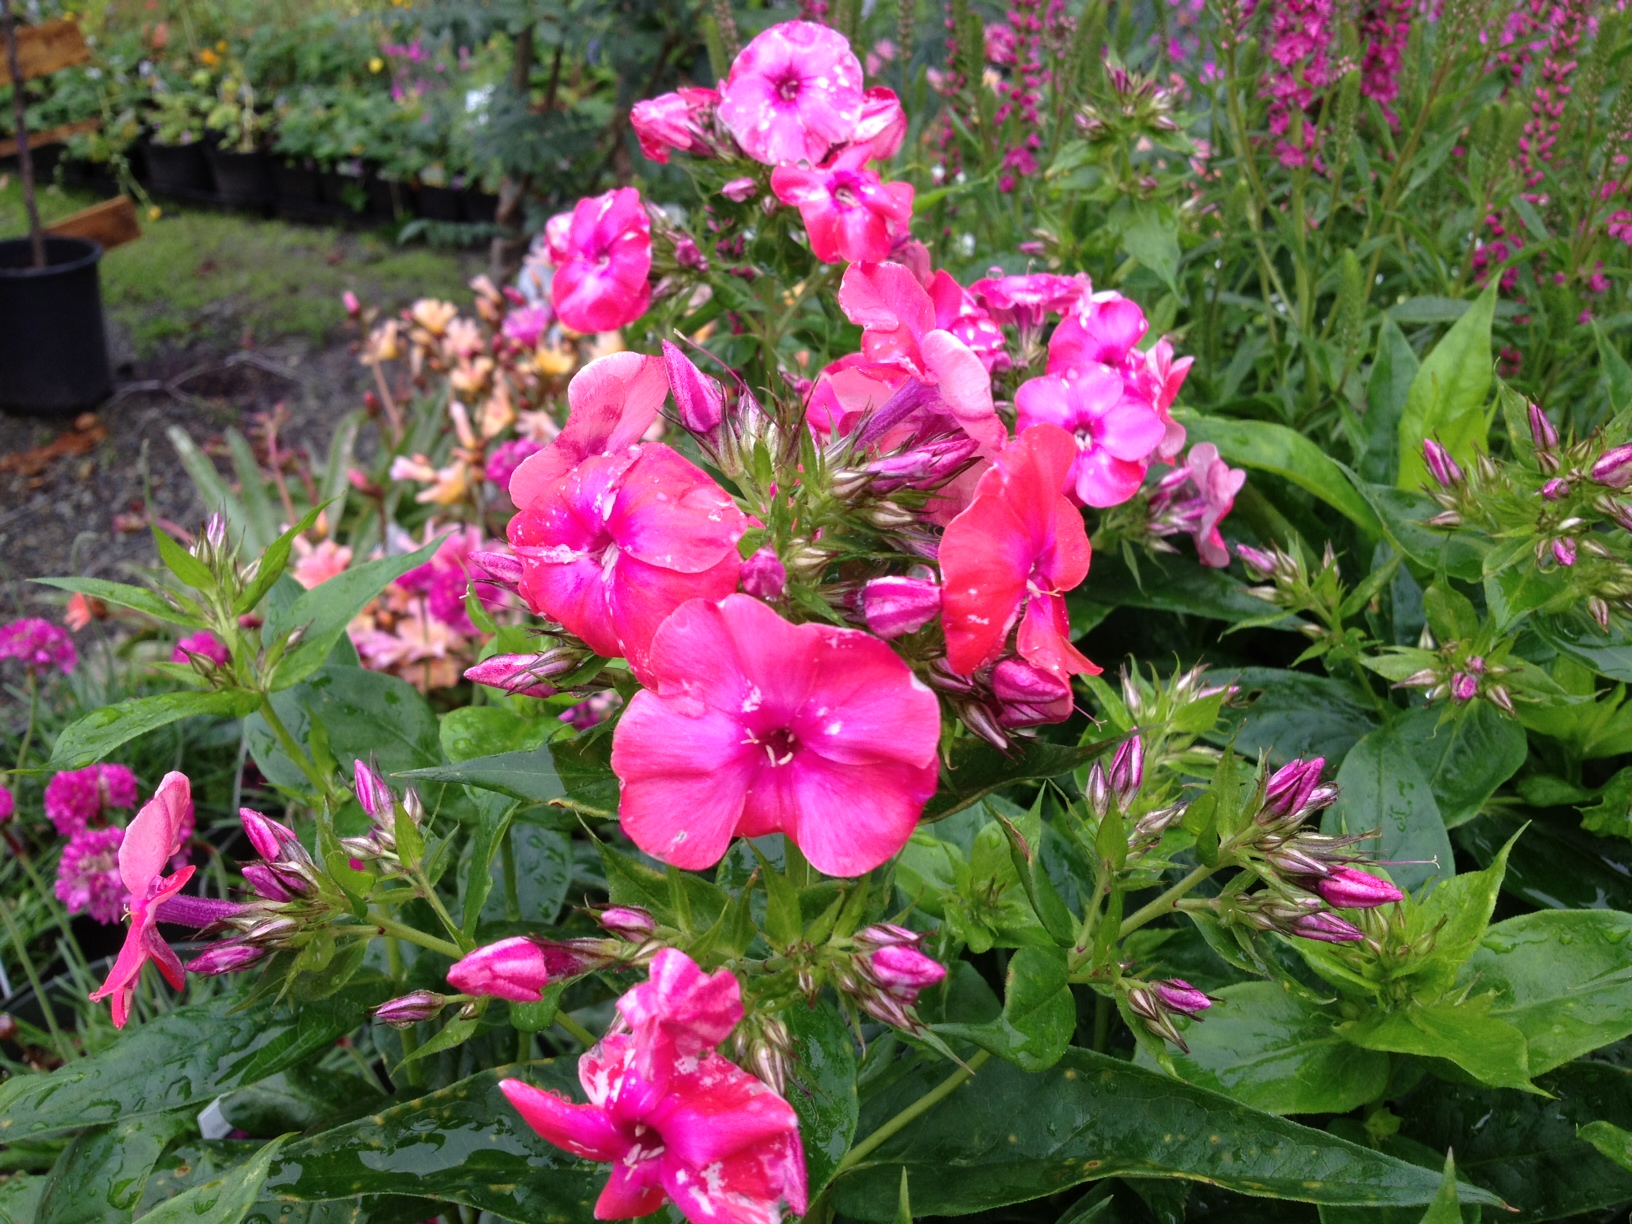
(38,645)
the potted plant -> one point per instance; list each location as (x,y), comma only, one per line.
(236,156)
(300,120)
(175,157)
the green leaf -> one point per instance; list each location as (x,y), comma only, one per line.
(1295,714)
(1445,1209)
(139,599)
(1608,654)
(93,737)
(1387,387)
(1270,1050)
(226,1201)
(977,769)
(1275,448)
(1007,1136)
(1611,1141)
(1039,1013)
(630,882)
(585,766)
(1466,758)
(452,1034)
(464,1144)
(273,562)
(329,607)
(1447,397)
(1381,786)
(1153,240)
(1045,899)
(1404,516)
(212,490)
(477,731)
(186,1058)
(188,568)
(1617,373)
(261,522)
(822,1087)
(1169,584)
(1561,977)
(104,1170)
(521,775)
(1561,867)
(20,1198)
(1488,1049)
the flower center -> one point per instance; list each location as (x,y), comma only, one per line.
(780,745)
(788,88)
(1085,438)
(845,197)
(609,558)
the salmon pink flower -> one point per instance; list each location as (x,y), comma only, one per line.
(850,214)
(752,725)
(316,563)
(152,838)
(1115,432)
(622,542)
(957,311)
(612,402)
(600,280)
(676,1121)
(678,121)
(793,93)
(1011,556)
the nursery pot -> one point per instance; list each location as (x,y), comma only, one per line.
(440,203)
(177,169)
(384,195)
(294,180)
(53,351)
(244,179)
(481,207)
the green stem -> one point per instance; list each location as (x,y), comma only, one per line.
(435,902)
(408,934)
(1164,903)
(295,753)
(579,1033)
(63,1046)
(1102,1023)
(46,895)
(512,896)
(33,713)
(911,1113)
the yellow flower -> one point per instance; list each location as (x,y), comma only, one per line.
(376,64)
(553,361)
(154,212)
(221,46)
(209,57)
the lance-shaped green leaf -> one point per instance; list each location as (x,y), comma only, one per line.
(520,775)
(1287,453)
(822,1088)
(103,1171)
(1465,758)
(1381,786)
(1039,1014)
(20,1198)
(1611,1141)
(1007,1136)
(463,1144)
(1447,397)
(138,599)
(98,733)
(186,1058)
(224,1201)
(1465,1033)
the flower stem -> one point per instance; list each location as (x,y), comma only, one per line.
(65,1049)
(911,1113)
(33,713)
(1164,903)
(408,934)
(578,1031)
(293,750)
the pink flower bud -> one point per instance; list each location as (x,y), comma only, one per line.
(896,605)
(630,921)
(1542,432)
(372,793)
(924,467)
(201,645)
(418,1005)
(196,912)
(1564,550)
(352,305)
(270,839)
(1256,559)
(522,675)
(764,576)
(687,255)
(699,399)
(518,969)
(1178,995)
(1289,788)
(1614,467)
(1127,771)
(903,971)
(1440,464)
(275,883)
(1326,928)
(1347,888)
(740,189)
(1555,489)
(1029,695)
(887,935)
(502,570)
(1464,687)
(228,957)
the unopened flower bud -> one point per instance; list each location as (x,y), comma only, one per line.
(699,399)
(1501,699)
(228,957)
(1326,928)
(373,794)
(524,675)
(1098,791)
(923,467)
(501,569)
(1127,771)
(895,606)
(903,971)
(763,575)
(1564,551)
(268,882)
(1348,888)
(272,841)
(1542,432)
(1289,788)
(413,806)
(1464,687)
(418,1005)
(1599,610)
(1178,995)
(1256,559)
(887,935)
(629,921)
(197,912)
(273,931)
(740,189)
(1614,467)
(353,307)
(1440,464)
(518,969)
(1030,696)
(1556,489)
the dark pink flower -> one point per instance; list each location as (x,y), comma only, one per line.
(1160,382)
(1025,301)
(1010,557)
(88,874)
(1216,484)
(600,283)
(506,457)
(753,725)
(793,93)
(79,797)
(678,121)
(957,311)
(903,971)
(518,969)
(8,804)
(881,127)
(38,644)
(850,214)
(152,838)
(1349,888)
(676,1121)
(526,324)
(1178,995)
(622,542)
(203,644)
(1115,432)
(763,575)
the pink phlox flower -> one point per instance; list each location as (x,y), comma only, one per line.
(850,214)
(880,129)
(740,189)
(1103,330)
(957,312)
(1025,301)
(689,1127)
(1196,497)
(600,281)
(526,324)
(88,874)
(205,645)
(622,542)
(506,457)
(1011,556)
(152,838)
(793,93)
(680,121)
(1115,432)
(38,644)
(316,563)
(8,804)
(751,725)
(612,402)
(78,798)
(445,578)
(1159,381)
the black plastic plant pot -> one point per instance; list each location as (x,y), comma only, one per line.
(177,170)
(388,199)
(53,349)
(481,207)
(345,192)
(243,179)
(440,203)
(295,181)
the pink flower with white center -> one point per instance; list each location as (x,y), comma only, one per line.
(152,838)
(38,644)
(751,725)
(850,214)
(77,798)
(1160,381)
(1115,432)
(1025,301)
(88,875)
(613,401)
(204,645)
(622,542)
(526,324)
(677,121)
(957,311)
(676,1121)
(1010,557)
(600,282)
(793,93)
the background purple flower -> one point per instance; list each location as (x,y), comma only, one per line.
(78,798)
(88,875)
(38,644)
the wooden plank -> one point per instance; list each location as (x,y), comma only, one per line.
(56,135)
(46,48)
(112,223)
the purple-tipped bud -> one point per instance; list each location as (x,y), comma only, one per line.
(903,971)
(270,839)
(275,883)
(1443,468)
(1327,928)
(1289,789)
(196,912)
(373,794)
(764,576)
(1614,467)
(895,606)
(1179,996)
(524,675)
(887,935)
(687,255)
(1029,695)
(925,466)
(229,957)
(1564,550)
(699,399)
(1348,888)
(518,969)
(501,569)
(1127,773)
(629,921)
(1556,489)
(1256,559)
(215,531)
(1464,687)
(1542,432)
(419,1005)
